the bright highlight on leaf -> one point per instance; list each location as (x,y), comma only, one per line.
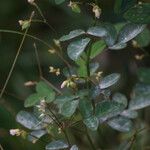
(76,48)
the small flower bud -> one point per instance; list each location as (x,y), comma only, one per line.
(25,24)
(52,51)
(64,84)
(14,132)
(135,44)
(30,1)
(97,11)
(30,83)
(74,6)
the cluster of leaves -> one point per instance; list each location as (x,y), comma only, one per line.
(88,98)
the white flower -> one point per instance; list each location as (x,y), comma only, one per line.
(14,132)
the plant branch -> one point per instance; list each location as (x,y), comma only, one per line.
(16,58)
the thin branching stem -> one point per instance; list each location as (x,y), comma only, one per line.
(16,58)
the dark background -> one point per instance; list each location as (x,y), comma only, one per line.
(62,19)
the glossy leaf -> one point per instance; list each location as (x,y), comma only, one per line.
(61,100)
(118,46)
(45,91)
(139,14)
(129,114)
(105,31)
(140,102)
(74,147)
(108,109)
(35,135)
(121,124)
(69,108)
(55,145)
(91,122)
(29,121)
(97,48)
(85,107)
(72,35)
(130,31)
(93,68)
(76,48)
(98,31)
(120,98)
(109,80)
(32,100)
(140,89)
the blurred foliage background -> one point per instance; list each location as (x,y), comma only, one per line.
(62,20)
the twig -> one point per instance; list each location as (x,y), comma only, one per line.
(16,58)
(1,148)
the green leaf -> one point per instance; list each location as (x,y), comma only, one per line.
(69,108)
(35,135)
(144,75)
(29,121)
(32,100)
(131,114)
(130,31)
(91,122)
(140,102)
(76,48)
(122,5)
(139,14)
(105,31)
(118,46)
(93,67)
(108,109)
(85,107)
(97,48)
(72,35)
(45,91)
(55,145)
(141,89)
(109,80)
(74,147)
(61,100)
(120,98)
(143,39)
(59,1)
(121,124)
(82,67)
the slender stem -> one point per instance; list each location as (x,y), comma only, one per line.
(67,137)
(38,60)
(90,140)
(46,23)
(16,58)
(41,73)
(39,10)
(51,85)
(1,148)
(89,74)
(27,35)
(41,41)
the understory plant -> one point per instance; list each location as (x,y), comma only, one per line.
(84,101)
